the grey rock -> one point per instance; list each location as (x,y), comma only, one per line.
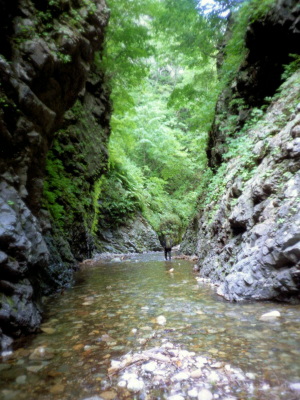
(295,131)
(41,89)
(136,236)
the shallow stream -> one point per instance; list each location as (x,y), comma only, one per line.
(113,310)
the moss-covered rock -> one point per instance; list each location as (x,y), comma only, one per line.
(46,66)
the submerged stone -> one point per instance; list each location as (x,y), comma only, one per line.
(270,315)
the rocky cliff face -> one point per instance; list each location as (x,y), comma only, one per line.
(247,229)
(269,41)
(134,236)
(47,52)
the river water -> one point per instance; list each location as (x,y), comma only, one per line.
(112,310)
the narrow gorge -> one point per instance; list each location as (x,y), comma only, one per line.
(65,195)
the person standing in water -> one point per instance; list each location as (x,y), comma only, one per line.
(167,244)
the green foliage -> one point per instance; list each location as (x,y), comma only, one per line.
(235,50)
(292,67)
(64,58)
(118,197)
(62,190)
(164,92)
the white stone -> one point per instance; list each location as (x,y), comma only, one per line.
(201,360)
(122,384)
(265,386)
(168,345)
(161,372)
(175,397)
(197,373)
(181,376)
(93,398)
(150,366)
(135,385)
(116,259)
(127,376)
(161,320)
(193,393)
(295,386)
(205,394)
(213,377)
(270,315)
(115,363)
(229,398)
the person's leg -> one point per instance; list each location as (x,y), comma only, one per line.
(170,254)
(166,254)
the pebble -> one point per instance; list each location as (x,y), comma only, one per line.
(175,397)
(135,385)
(193,393)
(49,331)
(213,377)
(58,388)
(41,353)
(181,376)
(161,320)
(295,386)
(20,380)
(108,395)
(34,368)
(270,315)
(150,367)
(197,373)
(205,394)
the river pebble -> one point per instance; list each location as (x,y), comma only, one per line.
(205,394)
(150,370)
(270,316)
(135,385)
(150,366)
(20,380)
(161,320)
(295,386)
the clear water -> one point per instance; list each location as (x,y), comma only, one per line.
(95,321)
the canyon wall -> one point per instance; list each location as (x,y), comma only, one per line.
(47,67)
(246,231)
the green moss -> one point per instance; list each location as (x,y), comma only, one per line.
(74,163)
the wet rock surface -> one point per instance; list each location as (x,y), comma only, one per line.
(135,236)
(248,238)
(45,62)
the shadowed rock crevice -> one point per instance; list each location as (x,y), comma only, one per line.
(270,42)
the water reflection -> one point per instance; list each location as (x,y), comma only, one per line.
(113,309)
